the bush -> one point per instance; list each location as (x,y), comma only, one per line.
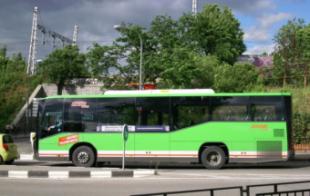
(301,125)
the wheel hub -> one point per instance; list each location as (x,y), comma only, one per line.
(213,158)
(83,157)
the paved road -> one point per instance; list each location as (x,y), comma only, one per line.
(36,187)
(170,178)
(281,166)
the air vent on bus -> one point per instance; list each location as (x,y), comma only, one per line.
(278,132)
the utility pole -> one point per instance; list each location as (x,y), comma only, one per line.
(75,34)
(141,63)
(194,7)
(36,27)
(33,40)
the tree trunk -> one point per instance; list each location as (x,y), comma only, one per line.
(60,87)
(305,76)
(284,82)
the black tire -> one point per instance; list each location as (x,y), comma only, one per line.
(213,157)
(83,156)
(1,160)
(9,162)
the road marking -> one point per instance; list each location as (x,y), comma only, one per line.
(26,157)
(143,173)
(58,174)
(101,174)
(18,174)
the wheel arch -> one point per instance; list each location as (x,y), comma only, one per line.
(75,146)
(218,144)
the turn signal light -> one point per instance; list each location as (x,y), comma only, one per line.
(6,147)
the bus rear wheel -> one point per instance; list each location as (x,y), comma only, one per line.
(83,156)
(10,162)
(213,157)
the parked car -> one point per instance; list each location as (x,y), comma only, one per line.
(8,150)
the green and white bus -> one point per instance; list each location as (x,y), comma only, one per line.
(194,126)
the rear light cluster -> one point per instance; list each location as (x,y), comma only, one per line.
(6,147)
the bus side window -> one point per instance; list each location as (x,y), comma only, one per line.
(267,108)
(190,111)
(115,112)
(153,114)
(230,113)
(80,115)
(192,115)
(264,113)
(230,109)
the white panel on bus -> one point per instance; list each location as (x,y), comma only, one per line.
(163,91)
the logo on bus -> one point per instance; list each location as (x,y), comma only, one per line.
(69,139)
(260,126)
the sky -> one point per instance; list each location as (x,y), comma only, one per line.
(260,19)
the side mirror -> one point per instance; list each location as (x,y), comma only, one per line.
(9,128)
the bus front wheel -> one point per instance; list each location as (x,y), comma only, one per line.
(83,156)
(213,157)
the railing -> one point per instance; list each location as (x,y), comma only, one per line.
(248,191)
(276,187)
(286,193)
(210,191)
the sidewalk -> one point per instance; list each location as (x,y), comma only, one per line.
(74,174)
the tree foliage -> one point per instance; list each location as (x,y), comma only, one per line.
(177,52)
(303,41)
(236,78)
(63,65)
(218,33)
(15,86)
(102,62)
(288,49)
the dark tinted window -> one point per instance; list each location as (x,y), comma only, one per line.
(230,109)
(153,114)
(189,111)
(7,139)
(52,117)
(114,113)
(80,115)
(267,108)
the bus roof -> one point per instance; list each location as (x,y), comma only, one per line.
(166,93)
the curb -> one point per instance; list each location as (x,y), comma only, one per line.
(74,174)
(26,157)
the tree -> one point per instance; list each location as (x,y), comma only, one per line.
(170,46)
(217,32)
(277,70)
(303,40)
(287,48)
(102,62)
(236,78)
(164,32)
(129,44)
(15,86)
(63,65)
(189,70)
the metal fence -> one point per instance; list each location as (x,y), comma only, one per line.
(210,191)
(276,188)
(286,193)
(247,191)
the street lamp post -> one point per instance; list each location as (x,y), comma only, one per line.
(117,27)
(141,61)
